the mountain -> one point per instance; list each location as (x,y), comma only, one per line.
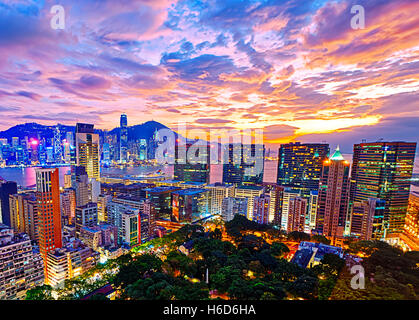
(36,130)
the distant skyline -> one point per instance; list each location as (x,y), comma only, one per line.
(295,68)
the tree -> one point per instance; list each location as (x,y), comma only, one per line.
(320,239)
(298,236)
(40,293)
(279,249)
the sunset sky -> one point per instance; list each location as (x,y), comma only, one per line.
(295,68)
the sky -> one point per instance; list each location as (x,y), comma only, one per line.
(295,69)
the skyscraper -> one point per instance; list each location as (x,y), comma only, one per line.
(243,163)
(87,149)
(297,214)
(192,163)
(383,170)
(300,165)
(261,209)
(6,189)
(123,138)
(49,213)
(333,197)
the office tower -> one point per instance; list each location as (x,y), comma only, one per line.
(80,184)
(411,228)
(6,189)
(86,216)
(368,219)
(261,209)
(106,154)
(249,192)
(161,197)
(143,149)
(15,142)
(243,163)
(69,262)
(150,211)
(68,205)
(276,194)
(312,211)
(300,165)
(128,232)
(20,267)
(189,205)
(217,192)
(67,180)
(49,213)
(58,151)
(144,234)
(288,195)
(297,214)
(192,162)
(383,170)
(332,210)
(102,207)
(123,139)
(94,190)
(232,207)
(87,149)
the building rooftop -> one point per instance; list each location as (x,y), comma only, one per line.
(161,189)
(247,187)
(190,191)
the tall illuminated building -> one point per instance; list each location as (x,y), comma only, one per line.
(297,214)
(192,162)
(261,209)
(189,205)
(87,149)
(49,213)
(300,166)
(383,170)
(123,138)
(243,163)
(333,198)
(6,189)
(24,214)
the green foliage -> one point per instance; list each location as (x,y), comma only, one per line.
(39,293)
(298,236)
(320,239)
(279,249)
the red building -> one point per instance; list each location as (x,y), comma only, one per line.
(49,213)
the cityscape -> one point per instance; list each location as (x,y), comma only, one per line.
(190,183)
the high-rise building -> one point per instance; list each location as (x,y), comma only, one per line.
(86,216)
(49,213)
(189,205)
(192,162)
(128,231)
(312,211)
(217,192)
(368,219)
(24,214)
(261,209)
(161,197)
(332,210)
(249,192)
(102,207)
(123,139)
(243,163)
(68,205)
(232,207)
(300,165)
(276,194)
(69,262)
(80,184)
(21,268)
(6,189)
(288,195)
(150,211)
(383,170)
(297,214)
(87,149)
